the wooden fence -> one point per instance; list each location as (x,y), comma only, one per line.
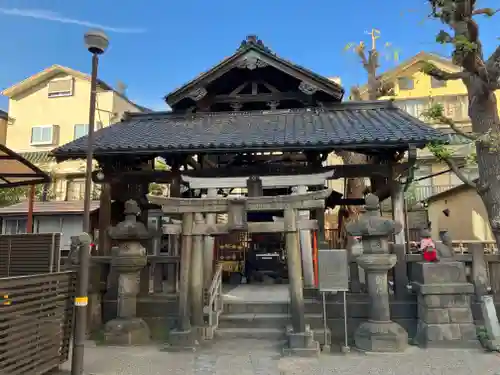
(28,254)
(36,322)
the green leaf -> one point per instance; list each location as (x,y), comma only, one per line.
(443,37)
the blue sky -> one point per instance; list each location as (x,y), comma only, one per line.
(157,45)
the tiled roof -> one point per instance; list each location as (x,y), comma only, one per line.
(346,125)
(48,208)
(253,43)
(38,157)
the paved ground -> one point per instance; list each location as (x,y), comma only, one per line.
(256,357)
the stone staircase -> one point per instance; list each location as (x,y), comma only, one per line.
(265,320)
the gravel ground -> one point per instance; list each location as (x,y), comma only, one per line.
(259,357)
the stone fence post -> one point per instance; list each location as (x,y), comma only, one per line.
(444,309)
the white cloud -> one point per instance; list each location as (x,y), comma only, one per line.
(48,15)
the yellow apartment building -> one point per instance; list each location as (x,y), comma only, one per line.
(414,91)
(50,109)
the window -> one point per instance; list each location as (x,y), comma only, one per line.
(423,183)
(42,135)
(456,107)
(61,87)
(406,83)
(414,107)
(80,130)
(75,189)
(436,83)
(15,226)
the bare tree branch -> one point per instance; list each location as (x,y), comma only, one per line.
(486,11)
(448,121)
(493,65)
(451,164)
(441,75)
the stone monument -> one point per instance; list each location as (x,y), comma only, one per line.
(444,309)
(379,333)
(128,259)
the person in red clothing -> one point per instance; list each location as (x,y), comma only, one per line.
(428,249)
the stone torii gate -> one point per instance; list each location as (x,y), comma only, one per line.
(192,326)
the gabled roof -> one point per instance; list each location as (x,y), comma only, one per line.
(54,70)
(247,47)
(418,58)
(351,125)
(4,115)
(46,74)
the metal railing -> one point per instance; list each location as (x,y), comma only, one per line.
(213,303)
(36,320)
(422,192)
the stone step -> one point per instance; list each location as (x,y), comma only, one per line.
(253,333)
(265,320)
(266,334)
(241,307)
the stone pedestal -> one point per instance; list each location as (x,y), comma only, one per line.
(444,311)
(379,333)
(301,344)
(128,260)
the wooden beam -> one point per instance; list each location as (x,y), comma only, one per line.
(264,97)
(268,169)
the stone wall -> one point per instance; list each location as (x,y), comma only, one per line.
(159,311)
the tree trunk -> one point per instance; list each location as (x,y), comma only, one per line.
(483,112)
(355,188)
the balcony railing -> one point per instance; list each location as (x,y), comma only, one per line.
(419,193)
(422,192)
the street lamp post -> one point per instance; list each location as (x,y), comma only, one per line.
(96,42)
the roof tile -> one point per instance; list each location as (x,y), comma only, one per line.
(344,125)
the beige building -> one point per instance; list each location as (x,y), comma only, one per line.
(50,109)
(467,219)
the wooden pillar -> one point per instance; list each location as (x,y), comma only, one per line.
(398,211)
(208,246)
(187,228)
(174,244)
(31,202)
(196,276)
(104,219)
(294,271)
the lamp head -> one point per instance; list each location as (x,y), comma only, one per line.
(96,41)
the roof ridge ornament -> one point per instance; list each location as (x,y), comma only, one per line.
(253,40)
(251,63)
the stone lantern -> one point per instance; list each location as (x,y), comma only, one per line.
(379,333)
(128,259)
